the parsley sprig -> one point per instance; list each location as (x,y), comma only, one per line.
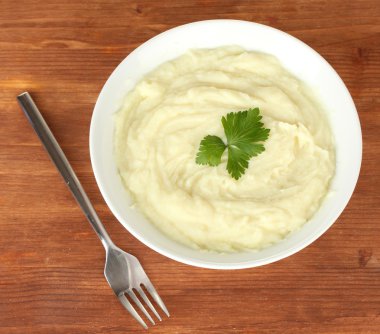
(244,132)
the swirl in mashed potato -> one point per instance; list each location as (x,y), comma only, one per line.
(164,118)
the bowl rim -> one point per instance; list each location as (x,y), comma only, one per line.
(211,264)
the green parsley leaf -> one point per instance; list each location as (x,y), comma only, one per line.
(244,132)
(210,151)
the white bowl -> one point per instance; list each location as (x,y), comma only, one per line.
(299,59)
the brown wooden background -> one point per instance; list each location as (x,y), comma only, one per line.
(51,262)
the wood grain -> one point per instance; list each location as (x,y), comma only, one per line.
(51,263)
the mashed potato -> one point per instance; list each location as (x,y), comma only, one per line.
(164,118)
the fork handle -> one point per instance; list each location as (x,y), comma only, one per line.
(58,157)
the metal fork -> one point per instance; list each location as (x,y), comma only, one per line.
(123,271)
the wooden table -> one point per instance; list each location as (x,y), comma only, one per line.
(51,262)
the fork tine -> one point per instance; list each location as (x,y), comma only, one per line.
(156,297)
(141,306)
(147,301)
(131,310)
